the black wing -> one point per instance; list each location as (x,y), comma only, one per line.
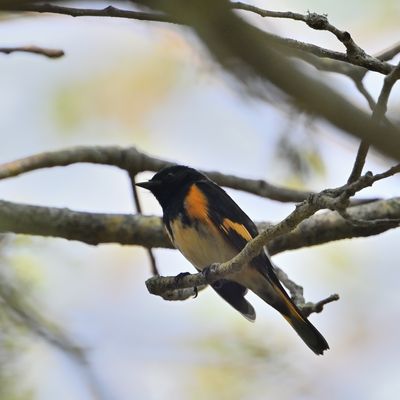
(234,224)
(233,293)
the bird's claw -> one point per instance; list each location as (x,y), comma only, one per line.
(181,275)
(207,273)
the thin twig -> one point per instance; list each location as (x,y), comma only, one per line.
(388,83)
(309,307)
(359,162)
(389,53)
(50,53)
(378,113)
(109,11)
(362,89)
(355,55)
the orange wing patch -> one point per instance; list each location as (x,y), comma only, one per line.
(240,229)
(196,204)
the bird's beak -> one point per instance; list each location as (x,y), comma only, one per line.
(149,185)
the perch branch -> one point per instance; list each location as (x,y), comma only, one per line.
(148,231)
(334,199)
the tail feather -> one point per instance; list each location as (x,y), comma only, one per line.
(272,292)
(308,333)
(303,327)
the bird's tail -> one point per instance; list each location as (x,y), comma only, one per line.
(272,292)
(307,331)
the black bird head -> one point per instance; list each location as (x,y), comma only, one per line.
(171,181)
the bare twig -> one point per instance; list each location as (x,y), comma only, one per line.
(362,89)
(359,162)
(389,82)
(355,55)
(109,11)
(378,113)
(309,307)
(50,53)
(389,53)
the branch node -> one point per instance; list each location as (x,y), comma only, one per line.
(317,21)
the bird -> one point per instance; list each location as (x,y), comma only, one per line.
(206,225)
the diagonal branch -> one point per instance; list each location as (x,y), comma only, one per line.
(335,199)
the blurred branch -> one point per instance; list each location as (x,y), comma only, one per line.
(266,59)
(109,11)
(378,114)
(359,162)
(355,55)
(388,83)
(389,53)
(23,314)
(50,53)
(148,231)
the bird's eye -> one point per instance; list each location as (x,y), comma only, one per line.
(170,175)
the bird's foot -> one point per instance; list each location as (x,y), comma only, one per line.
(208,273)
(179,277)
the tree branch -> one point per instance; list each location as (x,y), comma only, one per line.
(265,59)
(50,53)
(148,231)
(389,53)
(355,55)
(133,160)
(335,199)
(378,114)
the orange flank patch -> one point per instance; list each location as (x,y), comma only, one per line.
(196,204)
(240,229)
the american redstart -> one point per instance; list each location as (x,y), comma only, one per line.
(208,227)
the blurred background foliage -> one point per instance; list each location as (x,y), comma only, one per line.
(152,86)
